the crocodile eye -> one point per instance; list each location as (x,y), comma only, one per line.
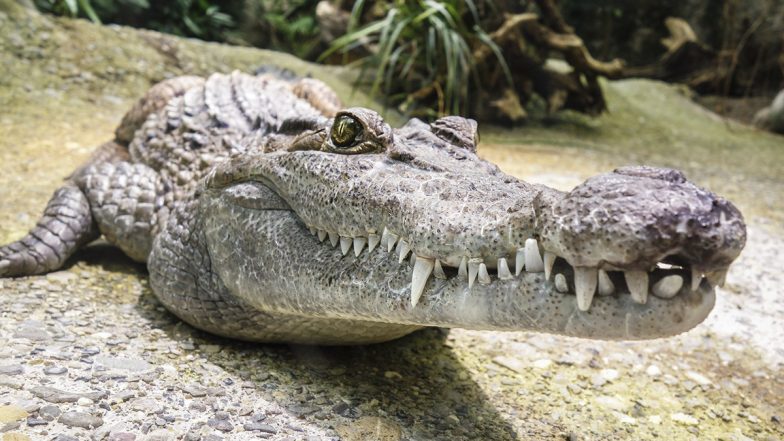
(346,131)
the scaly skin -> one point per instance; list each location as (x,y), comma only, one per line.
(264,213)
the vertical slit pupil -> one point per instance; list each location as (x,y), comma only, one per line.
(345,131)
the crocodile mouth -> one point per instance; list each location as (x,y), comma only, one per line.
(666,280)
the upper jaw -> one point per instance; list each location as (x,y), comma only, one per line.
(665,282)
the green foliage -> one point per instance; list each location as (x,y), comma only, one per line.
(70,8)
(190,18)
(290,26)
(419,47)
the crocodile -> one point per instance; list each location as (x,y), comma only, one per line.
(266,211)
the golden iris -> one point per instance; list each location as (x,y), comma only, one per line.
(345,131)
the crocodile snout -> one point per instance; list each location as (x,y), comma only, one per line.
(645,224)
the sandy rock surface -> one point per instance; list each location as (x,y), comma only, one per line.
(89,353)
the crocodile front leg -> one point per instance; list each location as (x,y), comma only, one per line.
(66,225)
(123,201)
(128,203)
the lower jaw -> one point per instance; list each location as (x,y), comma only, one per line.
(533,304)
(529,304)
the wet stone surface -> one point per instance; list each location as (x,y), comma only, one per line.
(89,353)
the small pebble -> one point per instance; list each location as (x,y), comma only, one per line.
(653,370)
(80,419)
(194,390)
(32,421)
(91,350)
(698,378)
(542,363)
(55,370)
(11,369)
(684,419)
(210,349)
(260,427)
(220,424)
(197,406)
(392,375)
(609,402)
(30,333)
(49,412)
(513,364)
(121,436)
(609,374)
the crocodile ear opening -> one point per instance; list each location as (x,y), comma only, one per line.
(458,131)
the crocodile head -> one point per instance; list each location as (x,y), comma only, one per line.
(350,219)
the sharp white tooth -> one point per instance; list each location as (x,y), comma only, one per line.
(637,281)
(391,240)
(384,237)
(422,269)
(333,238)
(359,245)
(462,270)
(373,241)
(717,278)
(322,235)
(696,278)
(549,261)
(585,280)
(503,270)
(606,286)
(484,276)
(519,261)
(533,260)
(312,230)
(668,286)
(403,249)
(560,283)
(438,271)
(473,270)
(345,244)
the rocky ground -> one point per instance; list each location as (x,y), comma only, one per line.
(88,353)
